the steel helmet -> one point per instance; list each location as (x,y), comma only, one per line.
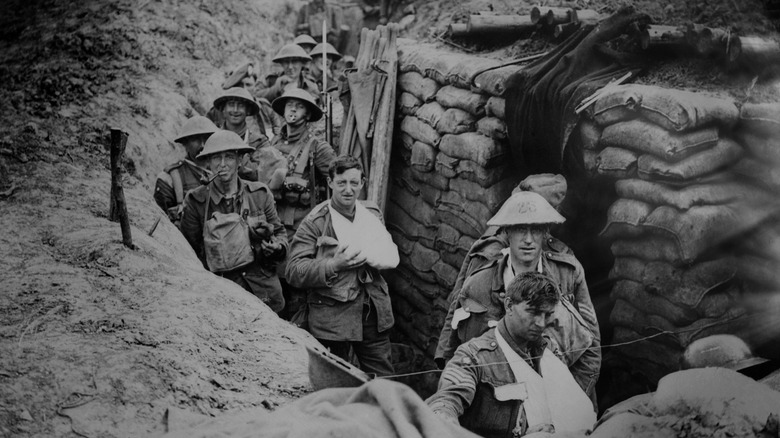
(224,140)
(291,51)
(330,51)
(278,104)
(237,76)
(526,208)
(726,351)
(305,41)
(240,94)
(551,187)
(196,125)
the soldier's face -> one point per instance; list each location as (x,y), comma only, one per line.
(346,187)
(525,242)
(526,322)
(295,111)
(235,112)
(292,67)
(225,165)
(194,144)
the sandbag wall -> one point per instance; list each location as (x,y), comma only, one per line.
(694,231)
(450,172)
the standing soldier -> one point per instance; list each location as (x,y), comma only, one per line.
(187,174)
(308,159)
(315,69)
(293,60)
(232,224)
(337,255)
(305,41)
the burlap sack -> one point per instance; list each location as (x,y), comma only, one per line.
(761,119)
(405,245)
(408,103)
(432,179)
(648,350)
(590,159)
(453,97)
(415,207)
(764,174)
(762,147)
(589,135)
(496,107)
(431,113)
(492,127)
(685,197)
(634,293)
(687,286)
(648,248)
(446,165)
(453,259)
(627,268)
(400,221)
(403,287)
(672,109)
(725,152)
(616,162)
(484,177)
(415,84)
(406,140)
(475,210)
(643,136)
(482,150)
(625,217)
(420,130)
(454,215)
(422,258)
(423,156)
(456,121)
(492,197)
(447,238)
(404,178)
(445,274)
(419,276)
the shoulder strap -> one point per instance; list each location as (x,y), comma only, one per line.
(306,151)
(178,185)
(206,213)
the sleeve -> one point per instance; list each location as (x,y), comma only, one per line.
(448,338)
(164,195)
(324,155)
(280,234)
(457,386)
(304,270)
(192,226)
(587,368)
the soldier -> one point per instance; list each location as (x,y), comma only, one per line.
(236,104)
(293,60)
(508,382)
(232,224)
(305,41)
(315,69)
(187,174)
(525,219)
(337,255)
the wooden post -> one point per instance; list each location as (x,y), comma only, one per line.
(117,206)
(457,30)
(757,54)
(503,24)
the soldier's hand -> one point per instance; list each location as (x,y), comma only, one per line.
(282,81)
(259,227)
(270,247)
(347,258)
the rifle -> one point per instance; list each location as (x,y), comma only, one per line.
(326,100)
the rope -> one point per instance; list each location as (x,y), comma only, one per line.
(619,344)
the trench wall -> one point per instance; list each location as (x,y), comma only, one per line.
(693,230)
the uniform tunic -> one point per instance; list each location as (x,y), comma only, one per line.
(191,174)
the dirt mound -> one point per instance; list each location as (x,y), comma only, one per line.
(98,339)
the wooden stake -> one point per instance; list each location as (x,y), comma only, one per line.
(458,30)
(118,206)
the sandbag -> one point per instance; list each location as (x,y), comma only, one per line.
(401,286)
(687,286)
(476,210)
(453,97)
(492,197)
(431,113)
(427,276)
(447,238)
(484,177)
(406,140)
(400,221)
(643,136)
(685,197)
(763,148)
(432,179)
(616,163)
(624,218)
(482,150)
(453,259)
(415,207)
(725,152)
(759,271)
(590,159)
(701,228)
(496,107)
(454,215)
(422,258)
(447,166)
(408,103)
(405,179)
(405,245)
(672,109)
(762,119)
(634,293)
(492,127)
(627,268)
(456,121)
(589,135)
(765,174)
(648,248)
(423,156)
(445,274)
(415,84)
(420,130)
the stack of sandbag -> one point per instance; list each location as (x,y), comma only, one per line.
(681,207)
(450,172)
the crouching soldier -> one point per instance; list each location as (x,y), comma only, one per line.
(187,174)
(232,224)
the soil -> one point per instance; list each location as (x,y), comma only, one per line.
(102,340)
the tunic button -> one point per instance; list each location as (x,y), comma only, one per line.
(466,309)
(549,255)
(492,344)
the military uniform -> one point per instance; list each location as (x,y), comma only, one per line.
(259,277)
(175,182)
(469,384)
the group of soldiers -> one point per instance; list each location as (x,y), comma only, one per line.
(266,202)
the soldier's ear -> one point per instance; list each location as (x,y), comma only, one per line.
(507,304)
